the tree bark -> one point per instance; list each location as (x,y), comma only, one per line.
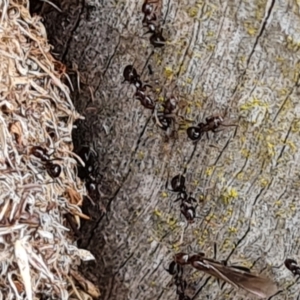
(237,59)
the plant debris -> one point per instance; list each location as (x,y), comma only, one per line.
(38,254)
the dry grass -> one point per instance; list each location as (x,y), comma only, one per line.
(38,255)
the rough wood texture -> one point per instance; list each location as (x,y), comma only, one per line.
(235,57)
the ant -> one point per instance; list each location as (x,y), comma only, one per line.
(40,153)
(89,157)
(156,38)
(212,124)
(167,117)
(186,206)
(89,172)
(130,74)
(291,264)
(176,271)
(148,9)
(239,277)
(52,169)
(188,210)
(146,101)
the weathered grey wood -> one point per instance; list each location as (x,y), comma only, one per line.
(238,57)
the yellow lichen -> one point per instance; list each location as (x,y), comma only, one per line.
(296,126)
(175,247)
(278,203)
(189,80)
(152,283)
(193,12)
(141,155)
(211,47)
(209,217)
(251,30)
(168,72)
(264,182)
(164,194)
(232,230)
(253,103)
(293,207)
(228,195)
(271,149)
(224,219)
(292,44)
(209,171)
(245,153)
(291,145)
(157,212)
(172,222)
(226,244)
(161,99)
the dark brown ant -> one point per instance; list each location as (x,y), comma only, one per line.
(212,124)
(130,74)
(148,9)
(176,270)
(181,285)
(40,153)
(291,264)
(156,38)
(194,133)
(52,169)
(165,122)
(184,297)
(167,118)
(89,158)
(178,183)
(150,70)
(170,105)
(255,284)
(186,206)
(147,102)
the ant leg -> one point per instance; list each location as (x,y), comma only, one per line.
(215,130)
(228,125)
(215,250)
(167,182)
(52,160)
(178,198)
(147,86)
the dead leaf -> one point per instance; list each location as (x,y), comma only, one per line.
(16,129)
(87,285)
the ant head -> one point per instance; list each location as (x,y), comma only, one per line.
(194,133)
(130,74)
(53,170)
(178,183)
(165,122)
(157,39)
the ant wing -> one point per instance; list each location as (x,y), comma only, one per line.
(255,284)
(208,267)
(258,285)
